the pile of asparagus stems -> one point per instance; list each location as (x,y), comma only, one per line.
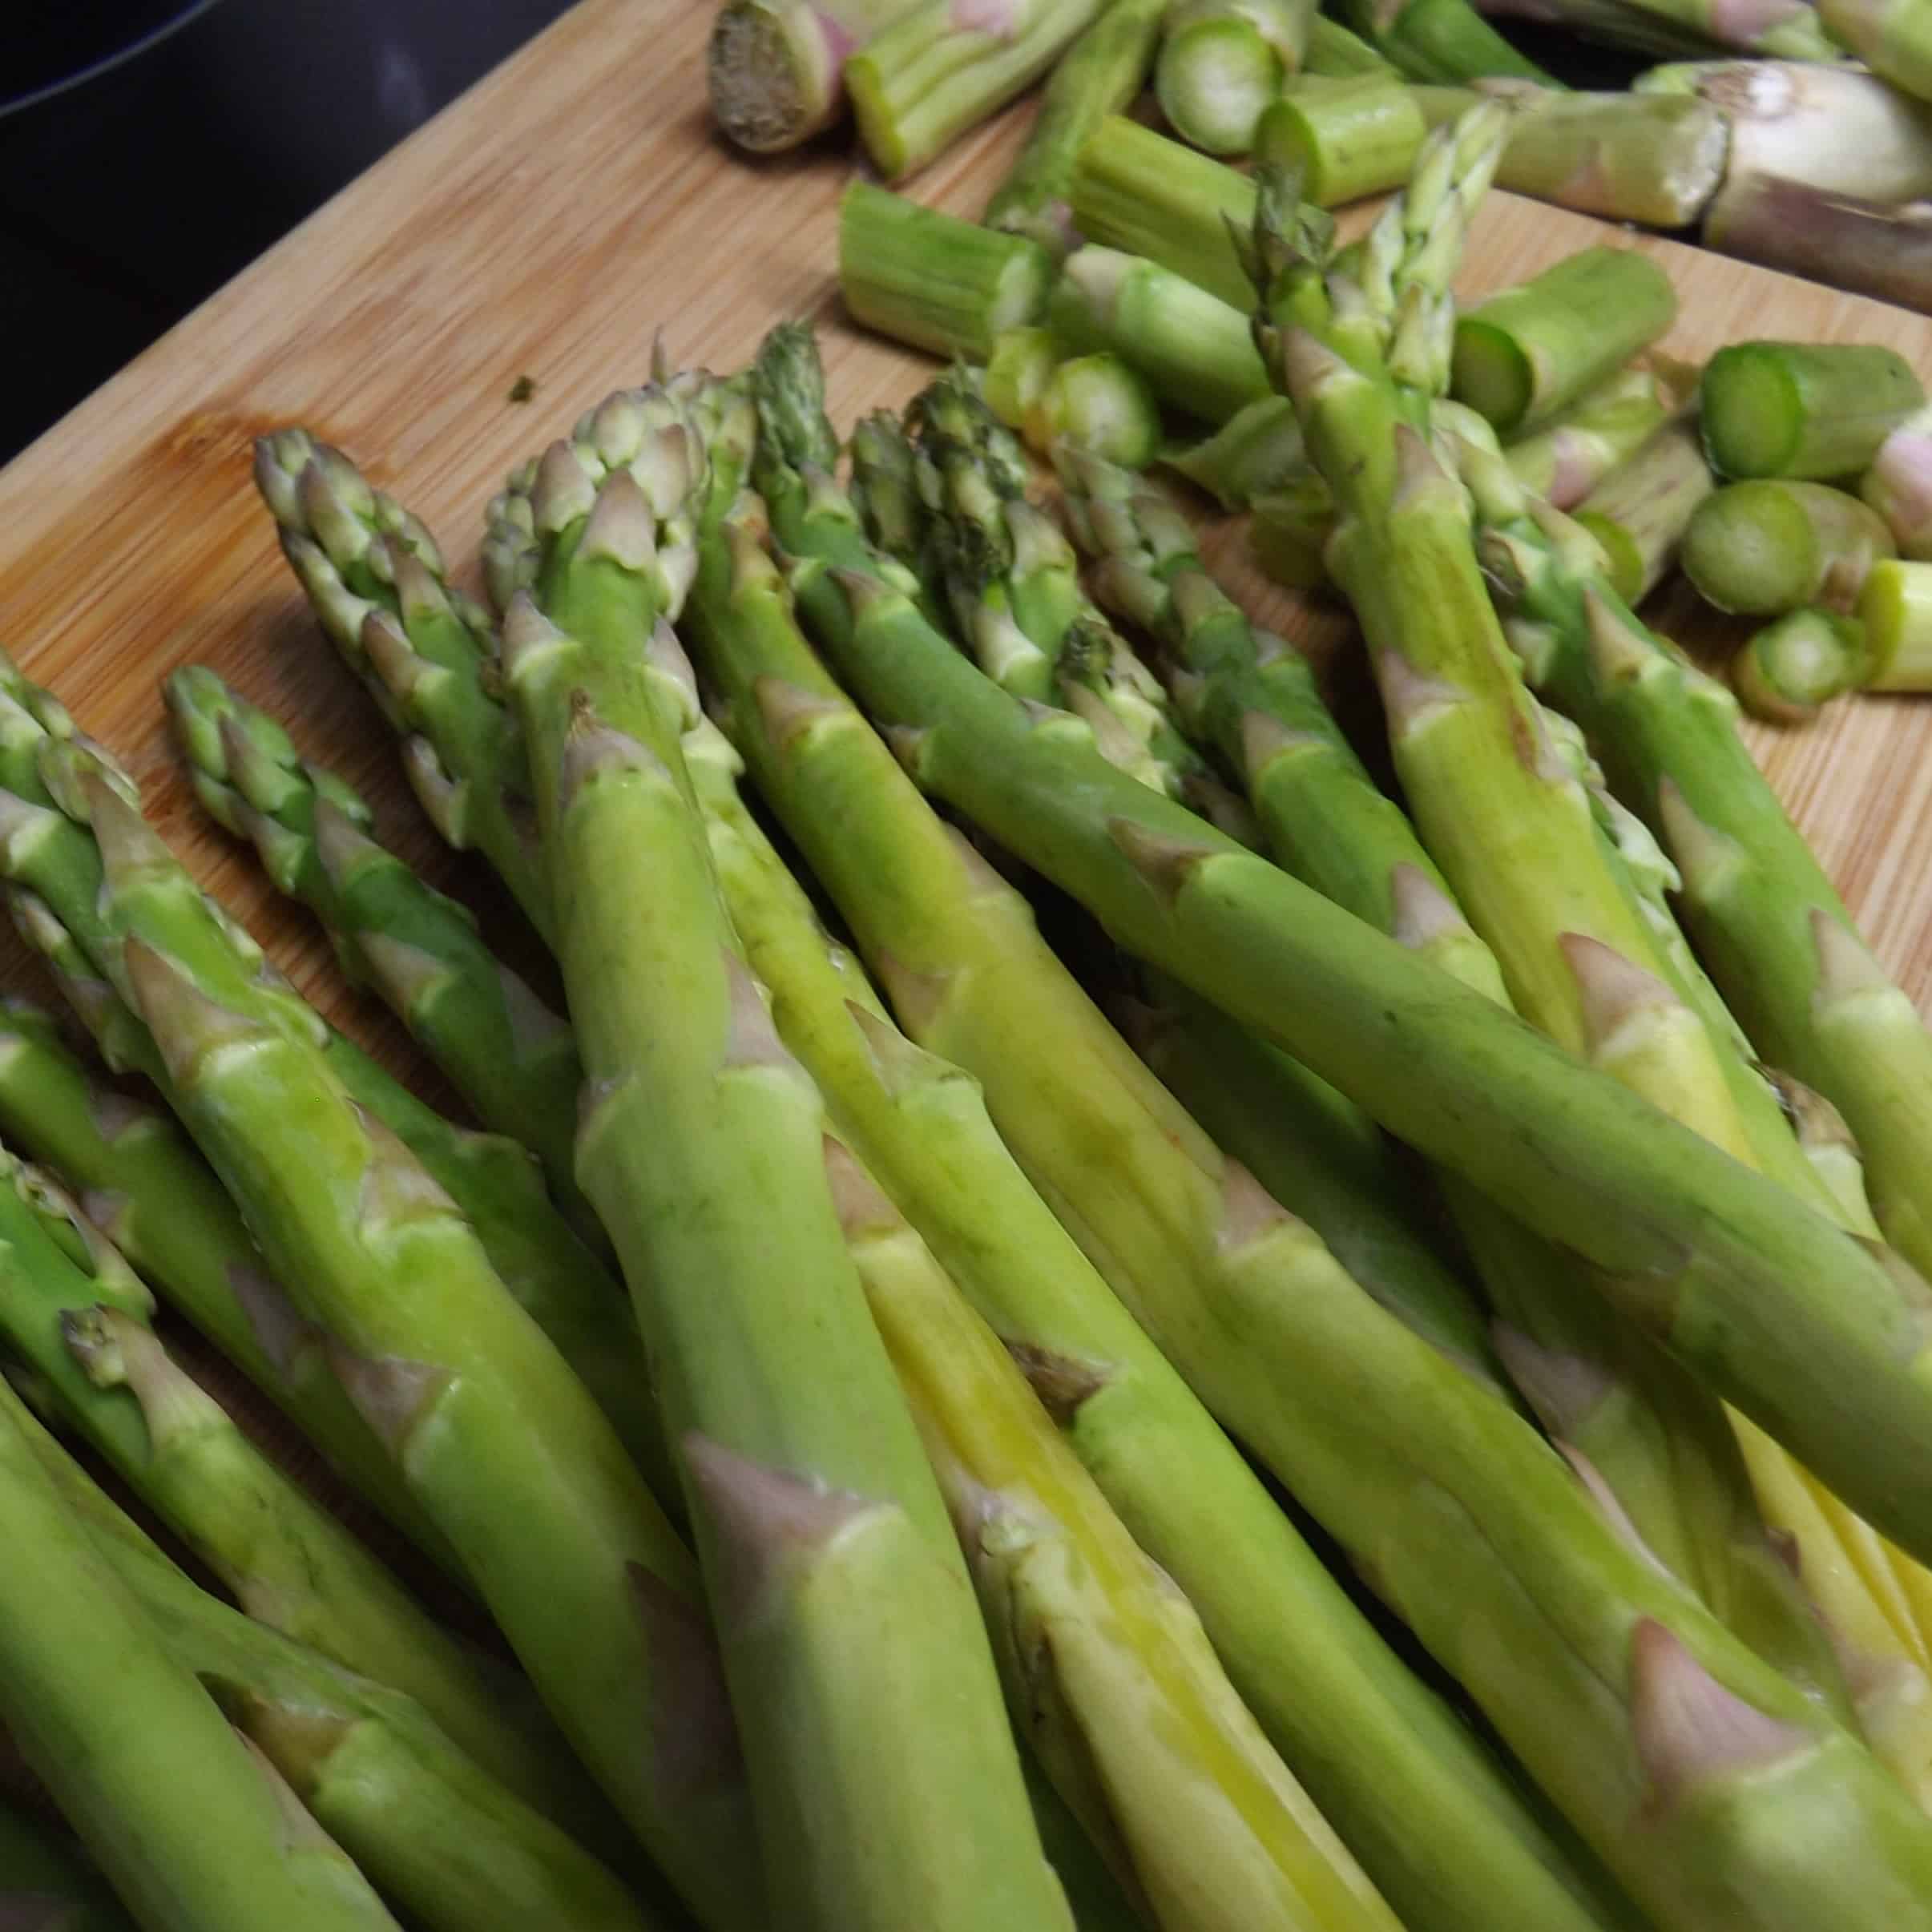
(873,1367)
(1794,135)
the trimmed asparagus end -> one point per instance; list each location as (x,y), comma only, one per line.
(1214,78)
(1767,547)
(774,69)
(1895,607)
(1347,138)
(1100,405)
(1792,668)
(932,280)
(1814,410)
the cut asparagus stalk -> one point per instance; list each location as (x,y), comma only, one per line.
(1333,50)
(1136,190)
(1896,609)
(1667,27)
(1105,1666)
(1892,38)
(74,1312)
(441,1838)
(1639,513)
(142,1184)
(493,1181)
(511,1057)
(775,68)
(46,1882)
(1765,547)
(933,280)
(923,905)
(1898,486)
(460,1383)
(1018,369)
(1869,247)
(1786,671)
(375,579)
(1809,410)
(937,694)
(1196,351)
(1525,354)
(1446,43)
(941,69)
(1101,74)
(193,1830)
(1222,62)
(1571,456)
(1653,158)
(1097,403)
(844,1622)
(1828,125)
(1257,450)
(1349,138)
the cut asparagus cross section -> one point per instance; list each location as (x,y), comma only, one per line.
(1815,410)
(1767,547)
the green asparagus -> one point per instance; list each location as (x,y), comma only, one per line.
(1574,453)
(47,1884)
(1639,513)
(1767,547)
(1222,62)
(1786,671)
(1815,410)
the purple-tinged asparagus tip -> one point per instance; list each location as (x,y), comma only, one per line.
(419,592)
(1614,990)
(1249,1213)
(621,527)
(692,1734)
(564,490)
(1564,1389)
(1411,698)
(526,631)
(861,1207)
(750,1038)
(1420,911)
(1611,1510)
(593,749)
(1701,853)
(788,713)
(919,997)
(391,1394)
(281,1331)
(185,1022)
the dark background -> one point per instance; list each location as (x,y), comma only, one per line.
(151,149)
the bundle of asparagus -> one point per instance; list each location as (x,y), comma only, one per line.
(880,1553)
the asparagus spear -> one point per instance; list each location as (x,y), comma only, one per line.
(1661,1445)
(375,579)
(1845,241)
(1802,409)
(1300,1654)
(194,1830)
(859,1677)
(47,1884)
(511,1056)
(1196,351)
(146,1188)
(1577,450)
(1222,62)
(1532,350)
(1010,579)
(775,68)
(75,1314)
(1016,371)
(553,1276)
(1654,157)
(936,71)
(1894,38)
(1638,514)
(468,1394)
(1767,547)
(1059,799)
(1798,662)
(1898,486)
(1105,1665)
(1101,74)
(932,280)
(1136,190)
(440,1836)
(1826,125)
(1348,137)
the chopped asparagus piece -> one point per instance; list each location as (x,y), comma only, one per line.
(1809,410)
(1767,547)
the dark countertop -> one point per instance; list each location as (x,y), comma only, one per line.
(164,144)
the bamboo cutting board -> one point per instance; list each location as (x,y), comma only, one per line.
(545,226)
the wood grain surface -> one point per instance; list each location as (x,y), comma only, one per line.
(546,226)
